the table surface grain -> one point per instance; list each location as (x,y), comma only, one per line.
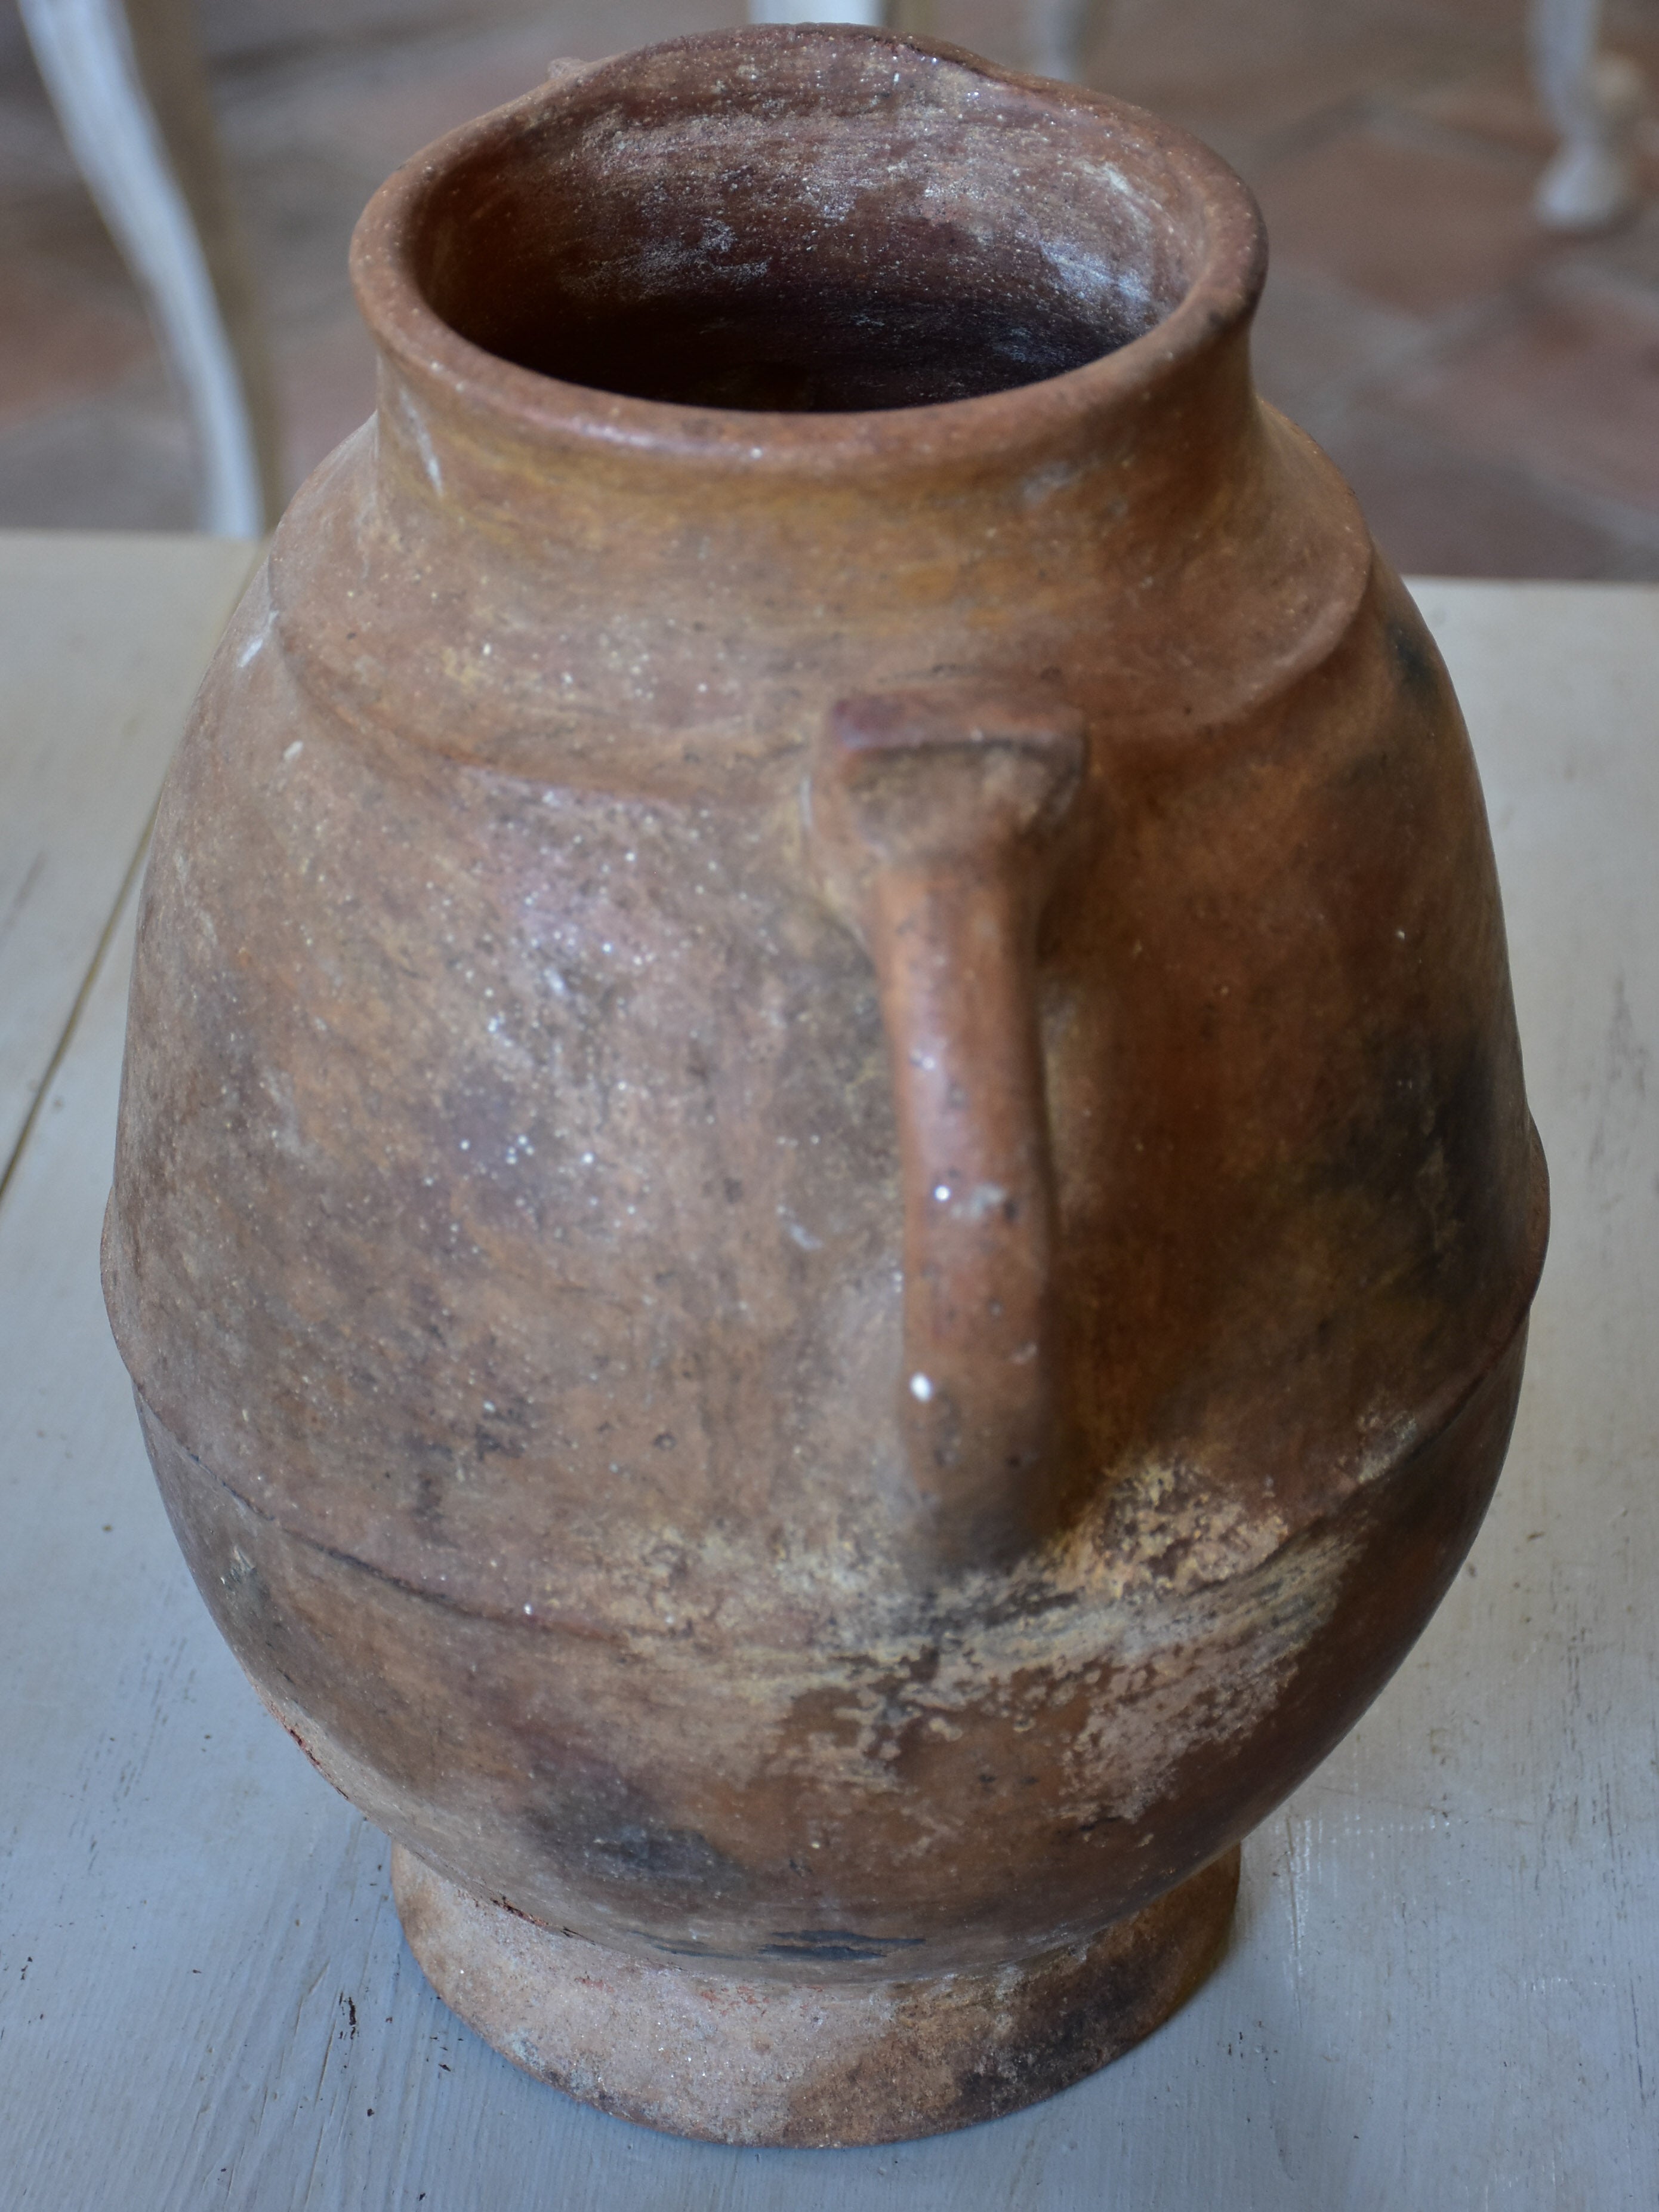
(1443,1990)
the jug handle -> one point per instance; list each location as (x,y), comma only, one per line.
(935,815)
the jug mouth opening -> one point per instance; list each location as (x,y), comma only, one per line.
(813,222)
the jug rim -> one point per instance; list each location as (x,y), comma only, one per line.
(437,363)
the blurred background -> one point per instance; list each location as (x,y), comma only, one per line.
(1491,388)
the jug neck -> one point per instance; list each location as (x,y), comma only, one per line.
(1051,281)
(628,559)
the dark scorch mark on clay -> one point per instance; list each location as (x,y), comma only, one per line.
(833,1943)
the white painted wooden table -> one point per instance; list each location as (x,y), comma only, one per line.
(1444,1988)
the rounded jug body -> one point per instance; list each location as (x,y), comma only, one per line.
(824,1208)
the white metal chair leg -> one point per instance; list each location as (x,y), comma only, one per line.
(1597,101)
(160,188)
(872,12)
(1058,34)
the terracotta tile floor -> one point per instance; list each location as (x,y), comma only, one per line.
(1491,392)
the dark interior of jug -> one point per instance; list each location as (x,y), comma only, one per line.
(835,223)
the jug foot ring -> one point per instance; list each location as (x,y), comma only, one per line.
(807,2065)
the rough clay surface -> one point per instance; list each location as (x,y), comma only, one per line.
(809,2066)
(825,1207)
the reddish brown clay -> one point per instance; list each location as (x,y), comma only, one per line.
(824,1209)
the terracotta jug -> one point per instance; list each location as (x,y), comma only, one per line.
(824,1210)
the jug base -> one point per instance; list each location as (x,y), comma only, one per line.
(807,2064)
